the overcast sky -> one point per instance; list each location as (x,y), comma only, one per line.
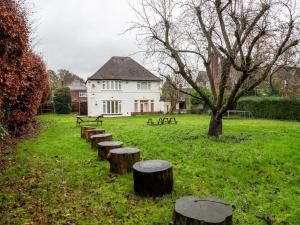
(82,35)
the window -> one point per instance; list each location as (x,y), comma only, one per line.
(144,105)
(82,94)
(144,85)
(152,105)
(136,106)
(111,85)
(111,107)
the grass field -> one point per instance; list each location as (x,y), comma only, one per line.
(56,178)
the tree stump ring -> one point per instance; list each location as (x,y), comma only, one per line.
(90,133)
(105,147)
(153,178)
(122,159)
(84,128)
(191,210)
(95,139)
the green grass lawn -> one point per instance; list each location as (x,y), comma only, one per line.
(56,178)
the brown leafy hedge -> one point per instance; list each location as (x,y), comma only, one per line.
(23,77)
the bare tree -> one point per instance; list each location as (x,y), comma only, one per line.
(239,40)
(171,90)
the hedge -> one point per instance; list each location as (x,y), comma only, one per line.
(271,107)
(62,100)
(3,132)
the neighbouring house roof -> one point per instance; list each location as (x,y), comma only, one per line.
(77,85)
(287,71)
(202,77)
(123,68)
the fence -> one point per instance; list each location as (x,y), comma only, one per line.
(145,113)
(79,108)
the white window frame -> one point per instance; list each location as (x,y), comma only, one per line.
(144,85)
(112,107)
(112,85)
(136,106)
(82,94)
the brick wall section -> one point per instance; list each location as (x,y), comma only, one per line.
(76,98)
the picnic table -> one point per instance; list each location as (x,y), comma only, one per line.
(162,121)
(89,119)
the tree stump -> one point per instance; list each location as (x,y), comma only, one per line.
(95,139)
(84,128)
(104,148)
(153,178)
(122,159)
(90,133)
(191,210)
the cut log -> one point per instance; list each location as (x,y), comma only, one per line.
(95,139)
(104,148)
(153,178)
(90,133)
(122,159)
(191,210)
(84,128)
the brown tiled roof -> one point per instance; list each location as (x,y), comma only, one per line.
(123,68)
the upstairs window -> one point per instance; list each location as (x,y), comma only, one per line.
(82,94)
(111,85)
(143,85)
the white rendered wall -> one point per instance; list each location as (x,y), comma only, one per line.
(127,95)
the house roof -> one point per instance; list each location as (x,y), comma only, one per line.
(123,68)
(77,85)
(202,77)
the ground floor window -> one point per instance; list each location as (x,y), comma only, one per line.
(111,107)
(144,105)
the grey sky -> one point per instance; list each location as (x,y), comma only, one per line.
(82,35)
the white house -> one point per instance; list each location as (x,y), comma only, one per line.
(123,87)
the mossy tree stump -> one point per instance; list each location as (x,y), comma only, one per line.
(84,129)
(95,139)
(153,178)
(122,159)
(90,133)
(191,210)
(105,147)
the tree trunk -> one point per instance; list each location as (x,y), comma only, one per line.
(190,210)
(215,126)
(152,178)
(105,147)
(122,159)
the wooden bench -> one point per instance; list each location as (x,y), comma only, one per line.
(88,119)
(162,121)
